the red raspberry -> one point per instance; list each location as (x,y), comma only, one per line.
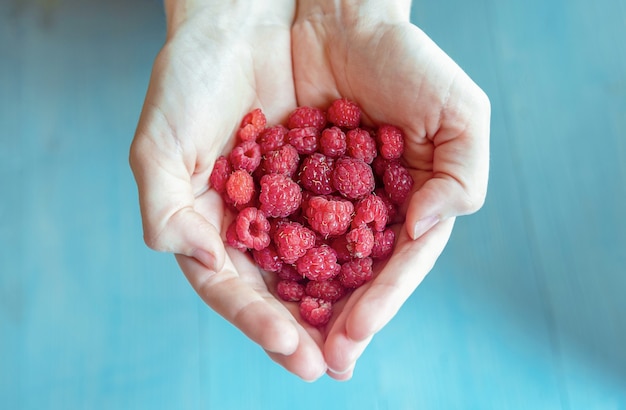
(383,244)
(331,290)
(305,140)
(398,182)
(279,196)
(307,117)
(329,216)
(272,138)
(353,178)
(289,272)
(246,156)
(240,188)
(356,272)
(390,141)
(221,171)
(340,245)
(315,173)
(252,228)
(251,125)
(267,258)
(290,291)
(292,240)
(360,242)
(315,311)
(333,142)
(232,239)
(361,145)
(380,165)
(344,113)
(283,160)
(392,209)
(318,263)
(370,211)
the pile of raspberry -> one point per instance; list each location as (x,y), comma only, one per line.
(314,200)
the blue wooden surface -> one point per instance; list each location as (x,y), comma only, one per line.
(524,310)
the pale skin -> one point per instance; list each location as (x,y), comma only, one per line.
(222,59)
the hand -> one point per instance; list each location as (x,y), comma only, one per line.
(369,52)
(219,61)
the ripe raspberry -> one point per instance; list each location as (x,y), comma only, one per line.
(279,196)
(219,175)
(240,188)
(392,209)
(390,141)
(331,290)
(246,156)
(315,173)
(283,160)
(383,244)
(290,291)
(307,117)
(398,182)
(272,138)
(360,242)
(252,228)
(353,178)
(267,258)
(333,142)
(292,240)
(315,311)
(251,125)
(232,239)
(329,216)
(356,272)
(380,165)
(370,211)
(340,245)
(318,263)
(344,113)
(305,140)
(361,145)
(289,272)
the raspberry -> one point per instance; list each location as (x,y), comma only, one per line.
(268,259)
(290,291)
(232,239)
(283,160)
(315,311)
(292,240)
(344,113)
(279,196)
(272,138)
(340,245)
(360,242)
(246,156)
(353,178)
(392,209)
(307,117)
(305,140)
(370,211)
(390,141)
(318,263)
(356,272)
(221,171)
(329,217)
(398,182)
(360,145)
(289,272)
(383,244)
(240,188)
(315,173)
(333,142)
(380,165)
(331,290)
(252,228)
(251,125)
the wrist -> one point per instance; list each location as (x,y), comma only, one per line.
(351,12)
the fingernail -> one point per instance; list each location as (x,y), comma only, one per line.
(206,258)
(423,225)
(343,375)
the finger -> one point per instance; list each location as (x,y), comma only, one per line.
(236,301)
(460,166)
(405,270)
(307,361)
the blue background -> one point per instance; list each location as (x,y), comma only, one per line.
(524,310)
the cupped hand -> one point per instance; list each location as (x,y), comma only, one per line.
(397,75)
